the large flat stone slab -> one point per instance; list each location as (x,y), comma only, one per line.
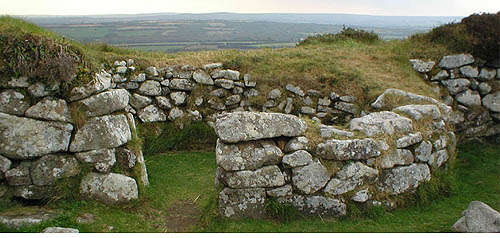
(242,203)
(104,103)
(23,138)
(247,126)
(357,149)
(109,188)
(102,132)
(381,123)
(314,205)
(247,155)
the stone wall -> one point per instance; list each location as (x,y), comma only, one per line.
(47,139)
(187,92)
(381,156)
(471,87)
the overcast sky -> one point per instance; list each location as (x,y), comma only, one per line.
(371,7)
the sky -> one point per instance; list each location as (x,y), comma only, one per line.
(368,7)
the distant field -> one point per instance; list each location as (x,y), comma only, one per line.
(185,35)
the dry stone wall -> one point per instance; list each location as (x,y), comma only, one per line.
(262,156)
(471,87)
(46,138)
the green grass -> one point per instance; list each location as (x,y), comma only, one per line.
(179,181)
(182,191)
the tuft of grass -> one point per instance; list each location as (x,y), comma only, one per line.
(346,34)
(78,115)
(283,212)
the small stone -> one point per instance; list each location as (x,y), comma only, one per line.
(202,77)
(181,84)
(101,82)
(151,71)
(119,79)
(408,140)
(297,159)
(346,107)
(50,168)
(324,102)
(19,175)
(274,94)
(150,88)
(60,230)
(478,218)
(455,61)
(151,113)
(484,88)
(175,113)
(443,74)
(121,70)
(419,112)
(313,93)
(233,100)
(248,81)
(179,98)
(469,71)
(280,191)
(327,132)
(114,99)
(487,74)
(349,99)
(424,152)
(397,157)
(492,102)
(307,110)
(308,101)
(138,101)
(297,143)
(198,101)
(13,102)
(224,83)
(102,159)
(12,82)
(50,109)
(469,98)
(310,178)
(163,102)
(295,90)
(422,66)
(401,179)
(139,78)
(361,196)
(455,86)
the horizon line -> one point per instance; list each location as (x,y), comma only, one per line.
(207,13)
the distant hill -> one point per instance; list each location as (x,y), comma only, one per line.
(333,18)
(172,32)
